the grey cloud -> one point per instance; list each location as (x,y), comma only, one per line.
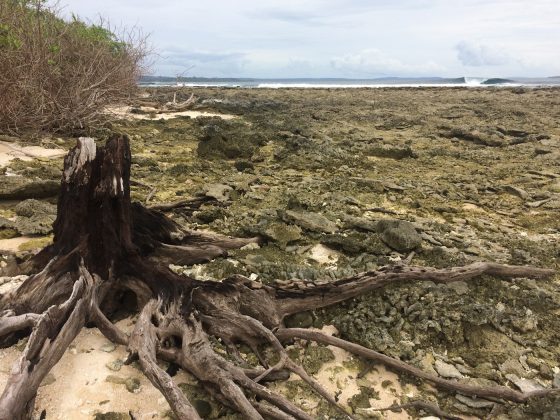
(316,12)
(481,55)
(176,60)
(338,38)
(374,62)
(286,15)
(201,56)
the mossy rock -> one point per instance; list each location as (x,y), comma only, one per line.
(299,320)
(355,243)
(228,139)
(31,207)
(282,233)
(315,357)
(8,233)
(361,400)
(36,225)
(392,152)
(112,415)
(7,229)
(19,188)
(399,235)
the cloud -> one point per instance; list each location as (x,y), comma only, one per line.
(286,15)
(481,55)
(316,12)
(337,37)
(200,56)
(177,60)
(374,62)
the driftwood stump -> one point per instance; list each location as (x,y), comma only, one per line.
(106,248)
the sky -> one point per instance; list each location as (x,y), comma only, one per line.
(341,38)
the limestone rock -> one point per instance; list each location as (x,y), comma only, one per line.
(220,192)
(115,365)
(108,348)
(447,370)
(314,222)
(32,207)
(34,217)
(474,402)
(525,385)
(390,151)
(513,366)
(112,415)
(20,188)
(399,235)
(282,233)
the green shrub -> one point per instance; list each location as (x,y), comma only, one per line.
(59,75)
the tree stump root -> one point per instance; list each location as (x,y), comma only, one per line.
(105,247)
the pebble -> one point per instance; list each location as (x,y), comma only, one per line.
(459,287)
(474,403)
(556,381)
(250,246)
(115,365)
(512,366)
(525,385)
(108,348)
(517,192)
(447,370)
(132,385)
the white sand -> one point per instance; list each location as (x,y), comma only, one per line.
(13,243)
(11,151)
(324,255)
(151,114)
(80,389)
(341,380)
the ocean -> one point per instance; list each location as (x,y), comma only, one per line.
(474,82)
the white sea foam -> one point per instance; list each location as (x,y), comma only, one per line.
(374,86)
(468,82)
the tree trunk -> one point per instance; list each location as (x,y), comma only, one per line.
(106,247)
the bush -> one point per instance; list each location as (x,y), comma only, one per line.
(59,75)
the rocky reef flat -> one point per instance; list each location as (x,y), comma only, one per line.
(338,182)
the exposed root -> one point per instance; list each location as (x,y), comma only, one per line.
(271,412)
(54,332)
(318,296)
(107,328)
(143,342)
(421,405)
(502,392)
(13,323)
(187,255)
(189,205)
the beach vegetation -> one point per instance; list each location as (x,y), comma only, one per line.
(59,74)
